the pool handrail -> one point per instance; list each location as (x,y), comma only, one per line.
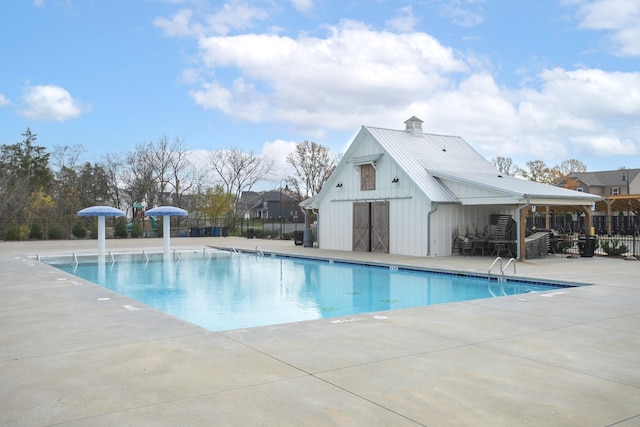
(501,278)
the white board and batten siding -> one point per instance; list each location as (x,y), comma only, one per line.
(408,207)
(445,169)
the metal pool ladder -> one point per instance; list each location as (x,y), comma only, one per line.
(498,261)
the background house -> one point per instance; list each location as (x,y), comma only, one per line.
(619,209)
(407,192)
(269,205)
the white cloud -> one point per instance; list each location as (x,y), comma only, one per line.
(621,18)
(234,15)
(303,6)
(277,151)
(575,114)
(354,75)
(38,3)
(405,21)
(329,82)
(48,102)
(178,26)
(3,100)
(466,13)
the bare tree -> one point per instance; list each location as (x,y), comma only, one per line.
(237,171)
(537,171)
(313,164)
(171,168)
(505,165)
(114,168)
(139,183)
(67,156)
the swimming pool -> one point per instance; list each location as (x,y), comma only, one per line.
(231,291)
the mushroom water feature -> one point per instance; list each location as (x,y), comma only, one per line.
(166,212)
(101,212)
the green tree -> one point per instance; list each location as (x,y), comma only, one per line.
(24,169)
(218,202)
(27,161)
(93,185)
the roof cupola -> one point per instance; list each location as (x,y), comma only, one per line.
(414,125)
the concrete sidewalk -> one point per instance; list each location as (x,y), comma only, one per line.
(73,353)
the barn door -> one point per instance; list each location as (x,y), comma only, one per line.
(371,227)
(380,227)
(361,226)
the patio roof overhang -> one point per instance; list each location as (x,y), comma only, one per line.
(626,203)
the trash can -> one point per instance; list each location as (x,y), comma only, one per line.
(307,239)
(298,237)
(588,246)
(225,231)
(250,233)
(194,232)
(207,231)
(216,231)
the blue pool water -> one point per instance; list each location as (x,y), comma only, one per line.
(246,290)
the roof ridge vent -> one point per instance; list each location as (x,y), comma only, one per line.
(414,125)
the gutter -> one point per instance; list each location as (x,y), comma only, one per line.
(434,208)
(518,232)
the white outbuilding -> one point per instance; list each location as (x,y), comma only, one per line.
(407,192)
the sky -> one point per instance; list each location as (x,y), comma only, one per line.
(529,80)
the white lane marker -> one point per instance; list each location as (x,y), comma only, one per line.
(130,307)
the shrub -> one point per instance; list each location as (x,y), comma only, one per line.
(12,232)
(54,232)
(94,230)
(613,247)
(36,232)
(121,228)
(136,230)
(79,231)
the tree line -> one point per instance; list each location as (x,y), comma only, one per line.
(537,170)
(41,191)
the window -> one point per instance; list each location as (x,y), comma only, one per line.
(615,191)
(367,177)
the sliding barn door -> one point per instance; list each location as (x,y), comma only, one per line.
(371,227)
(361,227)
(380,227)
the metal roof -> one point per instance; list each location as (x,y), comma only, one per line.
(517,188)
(427,159)
(416,154)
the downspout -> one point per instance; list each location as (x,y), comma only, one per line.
(518,232)
(434,208)
(304,212)
(315,211)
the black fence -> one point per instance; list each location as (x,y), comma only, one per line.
(575,223)
(623,241)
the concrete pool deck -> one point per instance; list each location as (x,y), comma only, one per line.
(75,354)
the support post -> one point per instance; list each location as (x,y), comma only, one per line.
(101,237)
(166,231)
(522,233)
